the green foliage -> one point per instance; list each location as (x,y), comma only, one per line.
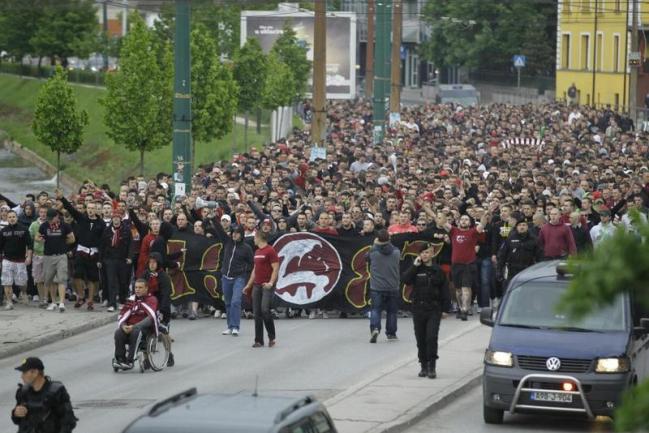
(214,90)
(57,122)
(290,51)
(20,22)
(140,94)
(250,72)
(66,29)
(499,31)
(617,265)
(279,84)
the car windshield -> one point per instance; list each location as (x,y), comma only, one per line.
(533,305)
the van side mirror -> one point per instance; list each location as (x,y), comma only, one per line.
(486,318)
(643,329)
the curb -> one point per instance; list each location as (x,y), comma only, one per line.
(56,336)
(418,413)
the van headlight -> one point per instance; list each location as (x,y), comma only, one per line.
(500,359)
(612,365)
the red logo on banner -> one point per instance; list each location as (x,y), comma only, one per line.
(309,268)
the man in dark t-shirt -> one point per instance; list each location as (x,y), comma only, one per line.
(262,281)
(57,236)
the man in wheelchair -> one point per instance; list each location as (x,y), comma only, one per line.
(138,315)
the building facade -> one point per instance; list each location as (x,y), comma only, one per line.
(593,46)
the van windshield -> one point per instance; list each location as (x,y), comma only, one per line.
(533,305)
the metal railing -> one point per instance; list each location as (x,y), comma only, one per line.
(45,71)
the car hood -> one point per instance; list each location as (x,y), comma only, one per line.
(566,344)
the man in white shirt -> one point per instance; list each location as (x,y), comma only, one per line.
(604,229)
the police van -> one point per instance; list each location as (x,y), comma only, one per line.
(540,361)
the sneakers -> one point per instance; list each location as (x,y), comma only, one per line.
(224,316)
(192,316)
(62,307)
(235,332)
(23,299)
(463,316)
(392,337)
(375,335)
(91,306)
(217,314)
(35,298)
(258,344)
(271,343)
(9,306)
(248,315)
(79,303)
(51,307)
(312,315)
(227,332)
(110,309)
(126,365)
(325,315)
(43,305)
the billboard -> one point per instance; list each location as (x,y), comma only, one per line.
(267,26)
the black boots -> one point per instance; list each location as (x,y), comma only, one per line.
(424,370)
(432,374)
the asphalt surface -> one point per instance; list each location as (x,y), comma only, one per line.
(321,357)
(465,415)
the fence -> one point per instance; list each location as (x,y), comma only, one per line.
(74,75)
(510,79)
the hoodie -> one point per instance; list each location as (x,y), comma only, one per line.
(384,267)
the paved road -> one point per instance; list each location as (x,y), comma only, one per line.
(465,415)
(322,357)
(18,177)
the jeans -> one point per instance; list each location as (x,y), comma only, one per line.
(486,270)
(426,325)
(232,290)
(261,300)
(387,301)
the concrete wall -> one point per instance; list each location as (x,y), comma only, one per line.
(490,93)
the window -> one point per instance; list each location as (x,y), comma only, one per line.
(600,51)
(585,5)
(584,51)
(565,51)
(616,53)
(320,423)
(599,5)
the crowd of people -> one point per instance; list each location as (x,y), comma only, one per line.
(502,187)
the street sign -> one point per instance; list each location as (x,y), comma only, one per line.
(519,61)
(634,58)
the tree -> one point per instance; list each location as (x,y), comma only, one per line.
(293,53)
(278,86)
(487,33)
(139,96)
(214,90)
(66,29)
(58,123)
(250,72)
(20,22)
(617,265)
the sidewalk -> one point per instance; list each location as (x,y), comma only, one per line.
(396,398)
(28,327)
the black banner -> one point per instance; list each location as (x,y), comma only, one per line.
(316,271)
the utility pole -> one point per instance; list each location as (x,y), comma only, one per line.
(381,71)
(395,90)
(319,73)
(106,37)
(369,56)
(125,18)
(594,100)
(182,125)
(635,55)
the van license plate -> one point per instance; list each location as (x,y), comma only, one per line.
(554,397)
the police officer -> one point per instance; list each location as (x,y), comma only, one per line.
(430,300)
(42,405)
(518,252)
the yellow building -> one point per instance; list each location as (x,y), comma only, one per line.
(592,51)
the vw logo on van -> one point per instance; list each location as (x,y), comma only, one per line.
(553,364)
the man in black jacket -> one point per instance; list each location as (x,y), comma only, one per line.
(89,230)
(42,405)
(116,254)
(430,300)
(518,252)
(16,251)
(238,261)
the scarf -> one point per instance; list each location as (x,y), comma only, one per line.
(116,236)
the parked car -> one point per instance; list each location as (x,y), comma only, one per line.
(190,412)
(539,360)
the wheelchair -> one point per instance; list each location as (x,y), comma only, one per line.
(152,350)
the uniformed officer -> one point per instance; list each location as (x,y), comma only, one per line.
(42,405)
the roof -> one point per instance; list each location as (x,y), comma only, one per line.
(543,271)
(218,413)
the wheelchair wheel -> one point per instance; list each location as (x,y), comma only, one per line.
(157,351)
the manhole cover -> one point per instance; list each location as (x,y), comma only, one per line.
(113,404)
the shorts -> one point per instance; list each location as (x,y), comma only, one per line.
(464,275)
(85,267)
(55,269)
(37,269)
(14,273)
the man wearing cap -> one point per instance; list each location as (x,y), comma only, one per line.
(42,405)
(605,229)
(116,252)
(57,237)
(519,251)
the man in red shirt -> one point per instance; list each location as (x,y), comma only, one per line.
(556,238)
(262,281)
(404,225)
(464,240)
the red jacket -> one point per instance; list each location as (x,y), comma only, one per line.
(137,309)
(143,258)
(557,240)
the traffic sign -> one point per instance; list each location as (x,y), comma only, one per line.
(519,61)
